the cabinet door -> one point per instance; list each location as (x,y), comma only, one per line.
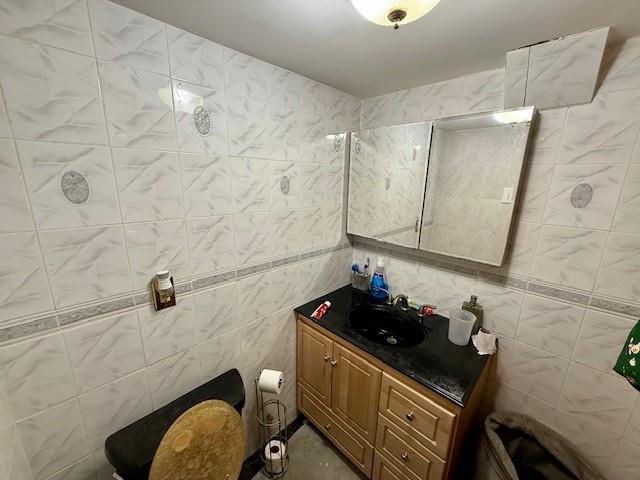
(355,391)
(314,363)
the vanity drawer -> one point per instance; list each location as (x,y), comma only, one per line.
(418,415)
(350,443)
(384,470)
(406,453)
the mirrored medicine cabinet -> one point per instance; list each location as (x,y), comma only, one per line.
(448,186)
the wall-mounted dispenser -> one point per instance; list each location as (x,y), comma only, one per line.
(164,294)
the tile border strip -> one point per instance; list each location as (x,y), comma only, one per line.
(37,324)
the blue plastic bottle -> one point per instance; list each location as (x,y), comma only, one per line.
(379,286)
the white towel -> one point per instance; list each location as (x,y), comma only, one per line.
(485,343)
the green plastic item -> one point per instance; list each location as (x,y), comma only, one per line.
(628,364)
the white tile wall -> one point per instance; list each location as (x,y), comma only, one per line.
(555,358)
(90,86)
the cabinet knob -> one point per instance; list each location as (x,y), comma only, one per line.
(334,363)
(327,357)
(327,426)
(409,416)
(405,457)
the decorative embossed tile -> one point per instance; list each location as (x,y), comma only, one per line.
(85,264)
(201,118)
(69,185)
(51,94)
(605,181)
(126,36)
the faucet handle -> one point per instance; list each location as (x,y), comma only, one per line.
(426,310)
(403,301)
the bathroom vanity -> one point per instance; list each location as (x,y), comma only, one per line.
(399,413)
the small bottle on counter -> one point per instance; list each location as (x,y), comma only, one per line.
(474,307)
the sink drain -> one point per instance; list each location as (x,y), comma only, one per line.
(392,340)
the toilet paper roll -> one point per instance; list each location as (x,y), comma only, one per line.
(270,381)
(275,455)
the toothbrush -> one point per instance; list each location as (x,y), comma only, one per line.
(366,266)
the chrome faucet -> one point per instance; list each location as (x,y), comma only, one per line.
(403,300)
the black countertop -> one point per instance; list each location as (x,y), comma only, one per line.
(436,363)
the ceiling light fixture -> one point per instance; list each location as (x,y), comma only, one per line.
(393,12)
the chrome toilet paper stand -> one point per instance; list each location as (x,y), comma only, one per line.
(271,416)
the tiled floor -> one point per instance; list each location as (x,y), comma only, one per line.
(312,457)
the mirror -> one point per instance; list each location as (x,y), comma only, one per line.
(387,174)
(474,175)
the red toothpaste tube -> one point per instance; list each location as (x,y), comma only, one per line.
(319,312)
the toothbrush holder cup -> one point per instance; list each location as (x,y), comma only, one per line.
(360,281)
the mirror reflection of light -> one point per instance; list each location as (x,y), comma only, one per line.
(186,101)
(513,116)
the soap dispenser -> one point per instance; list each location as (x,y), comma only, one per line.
(379,288)
(474,307)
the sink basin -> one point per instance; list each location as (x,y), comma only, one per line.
(386,325)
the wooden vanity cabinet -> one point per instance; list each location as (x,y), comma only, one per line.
(389,426)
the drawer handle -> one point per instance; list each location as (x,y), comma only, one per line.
(334,363)
(327,426)
(409,416)
(327,357)
(405,457)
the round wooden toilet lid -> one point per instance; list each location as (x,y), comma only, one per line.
(205,443)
